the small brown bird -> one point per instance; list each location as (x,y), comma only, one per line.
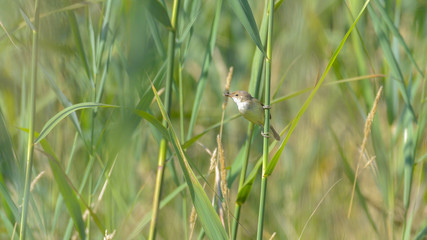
(252,109)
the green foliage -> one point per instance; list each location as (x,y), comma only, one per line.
(121,90)
(65,189)
(63,114)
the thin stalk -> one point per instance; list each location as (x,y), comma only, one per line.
(158,188)
(181,101)
(242,179)
(268,59)
(32,112)
(261,207)
(181,124)
(254,89)
(163,142)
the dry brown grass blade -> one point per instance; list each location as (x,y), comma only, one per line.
(366,132)
(223,171)
(224,104)
(8,35)
(318,205)
(36,179)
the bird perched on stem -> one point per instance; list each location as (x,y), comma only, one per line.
(252,109)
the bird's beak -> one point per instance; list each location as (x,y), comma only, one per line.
(227,94)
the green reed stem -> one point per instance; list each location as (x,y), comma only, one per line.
(32,112)
(163,142)
(242,179)
(254,90)
(268,59)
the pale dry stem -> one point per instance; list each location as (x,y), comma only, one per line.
(318,205)
(36,179)
(223,171)
(224,104)
(366,132)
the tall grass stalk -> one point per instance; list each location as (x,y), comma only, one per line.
(100,165)
(254,90)
(268,58)
(31,113)
(168,98)
(238,206)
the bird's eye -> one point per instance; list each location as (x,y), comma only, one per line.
(237,95)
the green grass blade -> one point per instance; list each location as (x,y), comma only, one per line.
(397,34)
(302,91)
(8,225)
(244,13)
(205,67)
(8,169)
(63,99)
(156,123)
(27,19)
(244,191)
(277,5)
(92,44)
(4,193)
(391,95)
(156,35)
(291,95)
(236,167)
(207,215)
(103,78)
(63,114)
(31,120)
(8,160)
(59,201)
(267,99)
(306,104)
(157,10)
(246,188)
(422,234)
(408,156)
(147,218)
(105,29)
(194,139)
(409,148)
(65,189)
(258,61)
(255,89)
(66,185)
(79,42)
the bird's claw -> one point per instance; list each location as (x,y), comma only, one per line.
(265,135)
(266,107)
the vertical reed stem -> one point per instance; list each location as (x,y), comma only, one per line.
(242,180)
(270,12)
(254,90)
(32,112)
(163,143)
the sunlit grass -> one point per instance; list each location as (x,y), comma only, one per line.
(106,71)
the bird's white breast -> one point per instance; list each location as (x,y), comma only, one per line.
(243,106)
(252,111)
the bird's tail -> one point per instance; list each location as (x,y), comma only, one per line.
(275,134)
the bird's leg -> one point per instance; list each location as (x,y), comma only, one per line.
(262,132)
(265,135)
(266,106)
(262,127)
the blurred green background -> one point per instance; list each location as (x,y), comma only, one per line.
(108,51)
